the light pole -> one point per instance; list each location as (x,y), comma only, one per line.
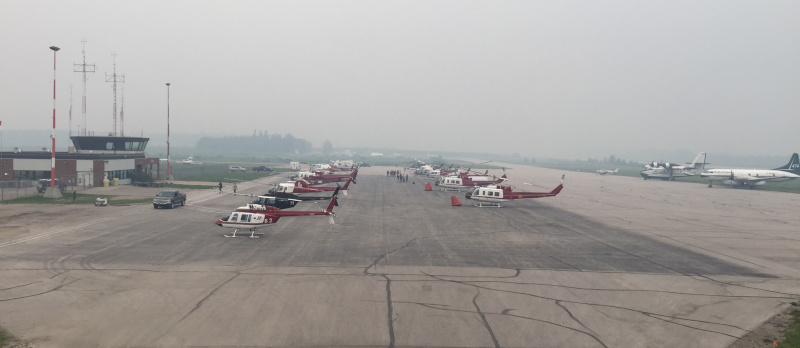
(2,173)
(169,172)
(52,192)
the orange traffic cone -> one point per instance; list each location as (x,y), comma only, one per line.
(454,201)
(428,187)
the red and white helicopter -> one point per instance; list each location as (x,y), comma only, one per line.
(458,182)
(496,194)
(303,186)
(254,216)
(273,201)
(316,178)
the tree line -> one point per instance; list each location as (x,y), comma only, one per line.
(258,144)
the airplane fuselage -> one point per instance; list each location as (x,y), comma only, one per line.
(748,177)
(665,174)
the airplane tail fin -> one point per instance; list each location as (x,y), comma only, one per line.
(793,165)
(616,170)
(699,162)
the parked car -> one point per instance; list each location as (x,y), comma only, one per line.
(169,198)
(43,184)
(237,169)
(262,169)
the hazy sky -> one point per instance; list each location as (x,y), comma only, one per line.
(541,78)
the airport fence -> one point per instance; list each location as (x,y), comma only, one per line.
(16,188)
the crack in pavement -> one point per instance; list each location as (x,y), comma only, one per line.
(658,316)
(506,312)
(558,303)
(41,293)
(483,317)
(196,307)
(745,286)
(390,310)
(646,313)
(559,325)
(19,286)
(200,303)
(622,290)
(381,256)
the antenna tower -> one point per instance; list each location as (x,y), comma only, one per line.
(114,79)
(122,114)
(84,68)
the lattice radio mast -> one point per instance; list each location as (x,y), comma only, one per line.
(114,79)
(122,114)
(84,68)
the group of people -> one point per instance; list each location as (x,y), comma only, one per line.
(220,187)
(399,175)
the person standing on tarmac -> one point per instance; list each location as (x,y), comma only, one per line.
(220,187)
(234,187)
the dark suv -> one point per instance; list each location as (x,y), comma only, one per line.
(262,169)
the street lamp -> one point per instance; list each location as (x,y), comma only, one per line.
(2,174)
(169,173)
(52,192)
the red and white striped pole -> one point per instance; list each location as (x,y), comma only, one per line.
(169,174)
(53,135)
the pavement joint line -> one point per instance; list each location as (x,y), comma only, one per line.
(64,229)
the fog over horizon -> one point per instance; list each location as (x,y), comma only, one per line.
(548,79)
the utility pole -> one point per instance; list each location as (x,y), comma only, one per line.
(169,173)
(84,68)
(52,191)
(70,110)
(2,173)
(114,79)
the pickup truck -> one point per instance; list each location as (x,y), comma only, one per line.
(169,198)
(261,169)
(236,169)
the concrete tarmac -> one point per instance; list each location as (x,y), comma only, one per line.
(610,262)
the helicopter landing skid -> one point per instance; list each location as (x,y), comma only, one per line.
(254,233)
(488,205)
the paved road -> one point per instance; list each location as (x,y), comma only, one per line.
(611,262)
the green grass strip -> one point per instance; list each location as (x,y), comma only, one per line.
(79,199)
(792,332)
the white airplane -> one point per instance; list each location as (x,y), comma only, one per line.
(670,171)
(754,177)
(607,171)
